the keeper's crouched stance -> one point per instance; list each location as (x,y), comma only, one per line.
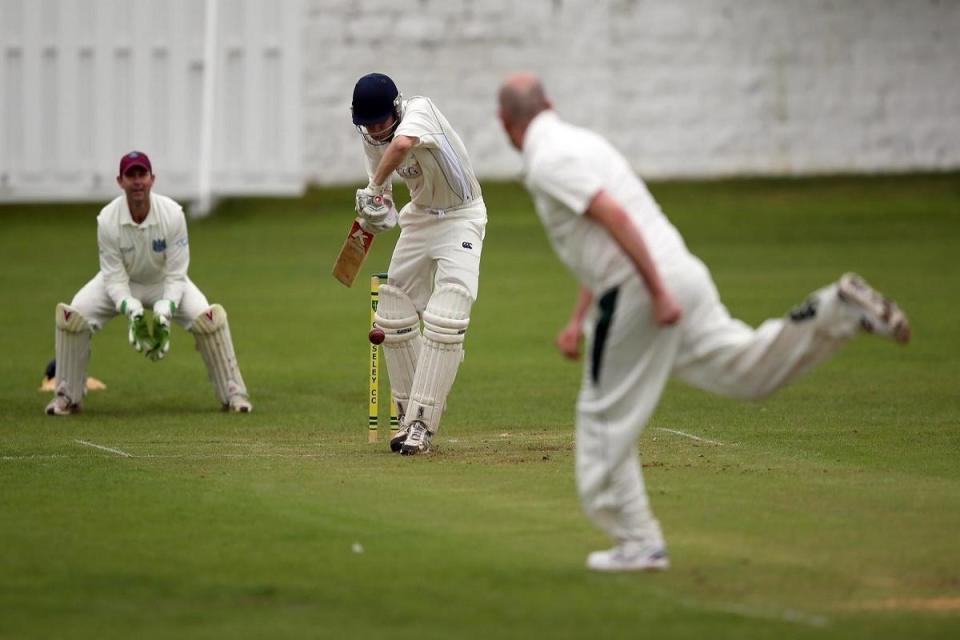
(144,256)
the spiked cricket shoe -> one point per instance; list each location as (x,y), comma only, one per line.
(397,440)
(417,441)
(878,314)
(629,556)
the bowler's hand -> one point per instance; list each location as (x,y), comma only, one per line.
(666,310)
(569,340)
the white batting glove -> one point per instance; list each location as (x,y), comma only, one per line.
(388,222)
(371,205)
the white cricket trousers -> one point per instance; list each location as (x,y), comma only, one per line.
(438,249)
(630,358)
(95,305)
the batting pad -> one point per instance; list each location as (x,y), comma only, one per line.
(402,342)
(212,333)
(72,352)
(445,322)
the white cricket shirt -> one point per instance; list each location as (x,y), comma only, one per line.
(437,170)
(154,251)
(565,167)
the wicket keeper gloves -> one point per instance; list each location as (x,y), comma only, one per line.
(162,313)
(138,333)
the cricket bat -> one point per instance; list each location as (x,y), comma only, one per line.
(352,254)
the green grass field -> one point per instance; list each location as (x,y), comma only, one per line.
(831,510)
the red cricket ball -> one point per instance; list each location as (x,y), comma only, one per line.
(376,335)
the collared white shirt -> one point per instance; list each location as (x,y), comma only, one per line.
(565,167)
(437,170)
(154,251)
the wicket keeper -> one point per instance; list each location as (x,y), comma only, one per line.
(144,255)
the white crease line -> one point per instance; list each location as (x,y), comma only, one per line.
(787,615)
(166,456)
(691,436)
(101,447)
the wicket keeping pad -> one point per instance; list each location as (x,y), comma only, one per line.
(73,334)
(211,330)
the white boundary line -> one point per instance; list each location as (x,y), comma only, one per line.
(691,436)
(101,447)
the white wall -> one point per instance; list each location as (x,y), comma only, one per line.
(684,87)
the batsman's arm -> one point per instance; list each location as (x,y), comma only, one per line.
(115,276)
(371,160)
(607,212)
(393,157)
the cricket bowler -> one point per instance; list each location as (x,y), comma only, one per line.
(657,314)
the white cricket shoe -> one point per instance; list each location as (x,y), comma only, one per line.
(61,405)
(629,556)
(879,314)
(397,440)
(417,441)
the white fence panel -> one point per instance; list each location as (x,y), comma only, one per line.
(83,82)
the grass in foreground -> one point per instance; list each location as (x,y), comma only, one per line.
(830,510)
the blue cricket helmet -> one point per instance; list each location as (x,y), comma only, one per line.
(375,97)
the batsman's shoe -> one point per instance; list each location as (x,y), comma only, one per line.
(396,442)
(879,314)
(417,441)
(629,556)
(61,405)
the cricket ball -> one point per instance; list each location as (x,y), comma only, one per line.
(376,335)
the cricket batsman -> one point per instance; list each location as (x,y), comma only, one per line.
(657,314)
(434,271)
(144,255)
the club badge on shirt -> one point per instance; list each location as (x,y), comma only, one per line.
(160,245)
(410,168)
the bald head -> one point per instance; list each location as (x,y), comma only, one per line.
(521,98)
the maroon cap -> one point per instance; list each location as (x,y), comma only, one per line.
(135,159)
